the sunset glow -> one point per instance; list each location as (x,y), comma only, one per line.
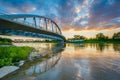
(81,17)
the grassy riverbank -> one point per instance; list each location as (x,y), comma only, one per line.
(5,41)
(100,38)
(11,54)
(97,41)
(102,41)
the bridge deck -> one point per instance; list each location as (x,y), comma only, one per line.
(4,23)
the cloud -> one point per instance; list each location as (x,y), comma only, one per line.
(71,14)
(18,6)
(103,11)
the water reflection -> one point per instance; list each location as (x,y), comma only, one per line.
(93,62)
(98,46)
(76,62)
(42,49)
(116,47)
(38,66)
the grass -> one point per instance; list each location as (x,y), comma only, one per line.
(11,54)
(103,41)
(5,41)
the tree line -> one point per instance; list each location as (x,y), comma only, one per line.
(99,36)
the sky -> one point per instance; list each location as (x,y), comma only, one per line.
(74,17)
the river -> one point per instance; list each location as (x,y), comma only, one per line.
(70,62)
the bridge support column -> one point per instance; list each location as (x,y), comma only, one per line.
(56,30)
(40,23)
(52,27)
(46,23)
(24,20)
(35,22)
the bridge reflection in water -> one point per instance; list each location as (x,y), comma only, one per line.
(38,68)
(76,62)
(35,67)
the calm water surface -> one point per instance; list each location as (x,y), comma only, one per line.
(71,62)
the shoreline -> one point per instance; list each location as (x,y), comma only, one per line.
(10,64)
(17,65)
(95,41)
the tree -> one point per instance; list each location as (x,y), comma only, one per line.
(76,36)
(101,36)
(116,35)
(79,37)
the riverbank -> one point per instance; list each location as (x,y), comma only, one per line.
(40,52)
(7,70)
(11,54)
(97,41)
(5,41)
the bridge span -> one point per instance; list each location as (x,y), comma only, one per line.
(30,25)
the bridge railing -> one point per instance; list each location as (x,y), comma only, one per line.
(45,26)
(3,12)
(29,24)
(53,28)
(26,23)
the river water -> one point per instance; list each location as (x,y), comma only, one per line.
(70,62)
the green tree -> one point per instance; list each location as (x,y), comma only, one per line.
(101,36)
(116,35)
(76,36)
(79,37)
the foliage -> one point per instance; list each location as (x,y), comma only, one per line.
(5,41)
(11,54)
(101,36)
(78,37)
(116,35)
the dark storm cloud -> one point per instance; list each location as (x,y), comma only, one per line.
(76,14)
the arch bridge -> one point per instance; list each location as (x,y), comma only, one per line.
(30,25)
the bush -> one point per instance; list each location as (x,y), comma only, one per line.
(5,41)
(5,62)
(11,54)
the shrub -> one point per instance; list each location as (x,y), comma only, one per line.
(11,54)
